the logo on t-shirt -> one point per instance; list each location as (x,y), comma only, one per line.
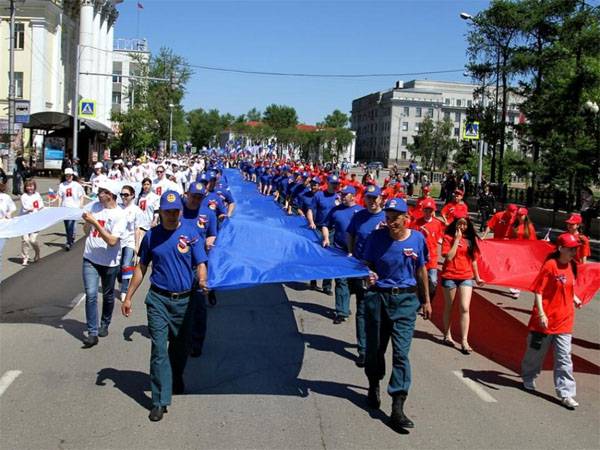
(212,204)
(410,253)
(202,221)
(69,192)
(143,205)
(36,204)
(562,279)
(183,244)
(96,233)
(158,190)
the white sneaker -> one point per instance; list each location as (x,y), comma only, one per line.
(122,298)
(515,293)
(569,402)
(529,385)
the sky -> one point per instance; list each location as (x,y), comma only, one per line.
(293,36)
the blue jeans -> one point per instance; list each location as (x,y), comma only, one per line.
(70,231)
(432,275)
(342,297)
(127,254)
(169,323)
(390,316)
(356,286)
(92,275)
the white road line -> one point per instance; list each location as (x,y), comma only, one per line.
(77,300)
(6,380)
(481,393)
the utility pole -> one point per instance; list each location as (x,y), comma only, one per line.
(76,104)
(11,89)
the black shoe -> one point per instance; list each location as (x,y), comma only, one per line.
(157,412)
(103,331)
(90,341)
(68,247)
(195,353)
(373,397)
(339,319)
(327,292)
(178,386)
(398,419)
(360,361)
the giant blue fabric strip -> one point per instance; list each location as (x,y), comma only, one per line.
(261,244)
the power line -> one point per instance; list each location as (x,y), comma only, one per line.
(322,75)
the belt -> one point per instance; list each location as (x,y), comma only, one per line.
(171,295)
(395,290)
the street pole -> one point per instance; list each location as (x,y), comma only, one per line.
(11,90)
(480,141)
(76,105)
(171,128)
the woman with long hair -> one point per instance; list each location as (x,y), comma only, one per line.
(460,250)
(521,229)
(130,241)
(552,319)
(574,227)
(31,202)
(148,202)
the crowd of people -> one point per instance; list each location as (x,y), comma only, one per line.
(166,213)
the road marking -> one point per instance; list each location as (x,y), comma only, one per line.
(481,393)
(7,379)
(77,300)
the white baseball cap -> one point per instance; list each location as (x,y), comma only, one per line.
(98,165)
(110,186)
(69,171)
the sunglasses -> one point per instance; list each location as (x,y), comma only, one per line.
(125,194)
(160,171)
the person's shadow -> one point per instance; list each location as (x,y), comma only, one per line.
(314,308)
(132,383)
(329,344)
(141,329)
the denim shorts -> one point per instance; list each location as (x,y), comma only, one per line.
(453,284)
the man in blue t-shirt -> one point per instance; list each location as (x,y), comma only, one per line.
(174,248)
(397,257)
(338,219)
(362,224)
(307,202)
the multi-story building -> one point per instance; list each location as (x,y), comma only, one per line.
(386,122)
(50,36)
(129,55)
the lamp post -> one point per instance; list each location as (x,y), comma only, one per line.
(171,106)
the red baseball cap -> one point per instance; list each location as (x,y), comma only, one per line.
(427,188)
(568,240)
(574,219)
(512,208)
(522,212)
(429,203)
(459,192)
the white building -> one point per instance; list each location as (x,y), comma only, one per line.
(47,34)
(386,122)
(129,55)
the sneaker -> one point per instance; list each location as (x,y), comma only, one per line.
(103,331)
(25,262)
(68,247)
(339,319)
(360,361)
(569,402)
(515,293)
(90,341)
(529,385)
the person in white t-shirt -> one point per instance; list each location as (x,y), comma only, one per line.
(31,202)
(70,194)
(7,208)
(162,183)
(105,226)
(130,242)
(149,203)
(97,177)
(138,171)
(116,171)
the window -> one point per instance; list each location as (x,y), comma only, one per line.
(446,114)
(117,71)
(403,155)
(406,111)
(447,101)
(18,84)
(457,117)
(417,125)
(458,102)
(430,112)
(404,126)
(404,141)
(456,131)
(116,97)
(19,36)
(419,112)
(469,103)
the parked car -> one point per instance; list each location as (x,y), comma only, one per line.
(374,165)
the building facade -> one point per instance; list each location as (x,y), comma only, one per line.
(386,122)
(129,56)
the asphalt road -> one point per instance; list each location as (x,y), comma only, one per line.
(276,373)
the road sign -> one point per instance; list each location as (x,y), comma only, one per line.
(471,131)
(87,108)
(21,111)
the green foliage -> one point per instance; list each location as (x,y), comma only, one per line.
(434,144)
(254,115)
(280,116)
(336,119)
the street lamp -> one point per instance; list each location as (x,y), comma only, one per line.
(171,106)
(466,16)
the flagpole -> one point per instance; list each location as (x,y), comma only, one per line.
(137,8)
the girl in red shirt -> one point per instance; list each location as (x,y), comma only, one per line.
(583,251)
(521,229)
(460,250)
(552,320)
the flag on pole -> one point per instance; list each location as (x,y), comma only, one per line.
(140,6)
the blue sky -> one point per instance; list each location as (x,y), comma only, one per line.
(351,36)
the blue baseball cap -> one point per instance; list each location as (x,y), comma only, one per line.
(396,204)
(202,178)
(305,175)
(373,191)
(316,180)
(333,179)
(212,175)
(349,190)
(197,188)
(170,200)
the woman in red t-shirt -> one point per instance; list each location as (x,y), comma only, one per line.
(460,250)
(583,251)
(521,229)
(552,320)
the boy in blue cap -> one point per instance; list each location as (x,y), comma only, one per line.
(362,224)
(397,257)
(174,248)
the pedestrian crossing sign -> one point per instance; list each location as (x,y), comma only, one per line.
(87,108)
(471,131)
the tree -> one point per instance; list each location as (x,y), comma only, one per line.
(138,131)
(280,116)
(336,119)
(254,115)
(434,144)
